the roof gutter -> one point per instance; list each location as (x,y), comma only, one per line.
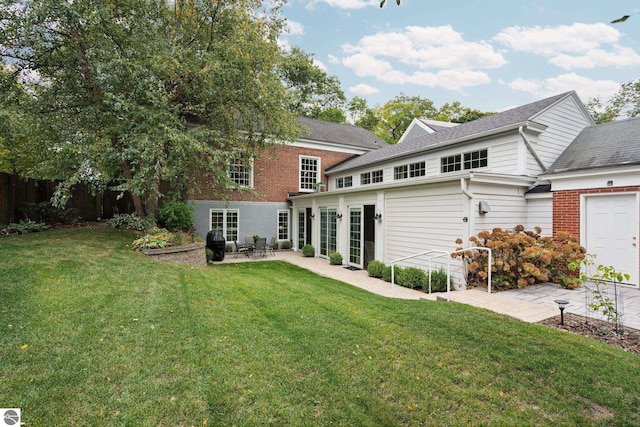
(530,148)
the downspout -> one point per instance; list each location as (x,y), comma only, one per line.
(530,148)
(464,187)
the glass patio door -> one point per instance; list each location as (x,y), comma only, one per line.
(355,237)
(328,231)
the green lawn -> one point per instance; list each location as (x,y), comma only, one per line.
(94,334)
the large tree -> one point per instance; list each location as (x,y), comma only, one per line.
(139,91)
(311,92)
(625,103)
(396,115)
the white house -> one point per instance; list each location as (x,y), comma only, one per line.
(441,183)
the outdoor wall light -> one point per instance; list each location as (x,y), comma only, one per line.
(378,215)
(312,215)
(339,215)
(562,303)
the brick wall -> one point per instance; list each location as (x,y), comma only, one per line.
(566,207)
(276,173)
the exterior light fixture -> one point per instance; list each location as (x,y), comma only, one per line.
(339,215)
(562,303)
(378,215)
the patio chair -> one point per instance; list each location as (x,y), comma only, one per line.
(271,246)
(260,249)
(240,249)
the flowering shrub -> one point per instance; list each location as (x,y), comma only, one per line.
(521,258)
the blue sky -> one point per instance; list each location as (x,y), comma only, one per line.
(489,55)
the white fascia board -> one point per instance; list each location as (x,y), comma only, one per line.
(503,179)
(595,178)
(328,146)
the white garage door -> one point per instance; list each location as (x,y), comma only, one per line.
(611,228)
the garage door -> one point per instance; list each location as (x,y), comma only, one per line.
(611,230)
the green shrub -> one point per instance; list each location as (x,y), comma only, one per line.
(375,269)
(308,251)
(386,273)
(131,222)
(23,227)
(176,216)
(285,245)
(438,281)
(157,238)
(335,259)
(411,277)
(209,254)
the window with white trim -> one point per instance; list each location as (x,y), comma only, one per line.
(283,224)
(371,177)
(451,163)
(241,170)
(417,169)
(345,182)
(470,160)
(400,172)
(309,172)
(475,159)
(225,220)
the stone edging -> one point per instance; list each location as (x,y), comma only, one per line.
(193,254)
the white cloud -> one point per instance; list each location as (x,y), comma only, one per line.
(333,59)
(429,48)
(363,89)
(570,47)
(346,4)
(425,56)
(320,65)
(550,41)
(585,87)
(294,28)
(619,57)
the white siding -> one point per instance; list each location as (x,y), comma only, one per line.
(565,121)
(540,214)
(423,219)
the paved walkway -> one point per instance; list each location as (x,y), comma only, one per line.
(531,304)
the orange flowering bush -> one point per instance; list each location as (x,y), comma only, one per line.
(521,258)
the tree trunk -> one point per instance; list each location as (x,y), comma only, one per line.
(137,200)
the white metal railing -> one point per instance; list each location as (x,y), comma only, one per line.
(440,253)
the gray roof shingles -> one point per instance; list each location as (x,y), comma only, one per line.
(354,136)
(464,131)
(606,145)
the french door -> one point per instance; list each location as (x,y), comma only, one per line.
(328,231)
(355,236)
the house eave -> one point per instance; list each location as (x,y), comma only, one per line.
(472,176)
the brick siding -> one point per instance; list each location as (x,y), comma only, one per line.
(566,207)
(276,173)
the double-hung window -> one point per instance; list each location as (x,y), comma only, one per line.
(240,170)
(309,172)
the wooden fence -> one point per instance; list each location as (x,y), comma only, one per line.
(27,198)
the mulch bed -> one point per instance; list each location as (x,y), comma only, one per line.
(605,332)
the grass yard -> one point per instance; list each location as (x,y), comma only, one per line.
(94,334)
